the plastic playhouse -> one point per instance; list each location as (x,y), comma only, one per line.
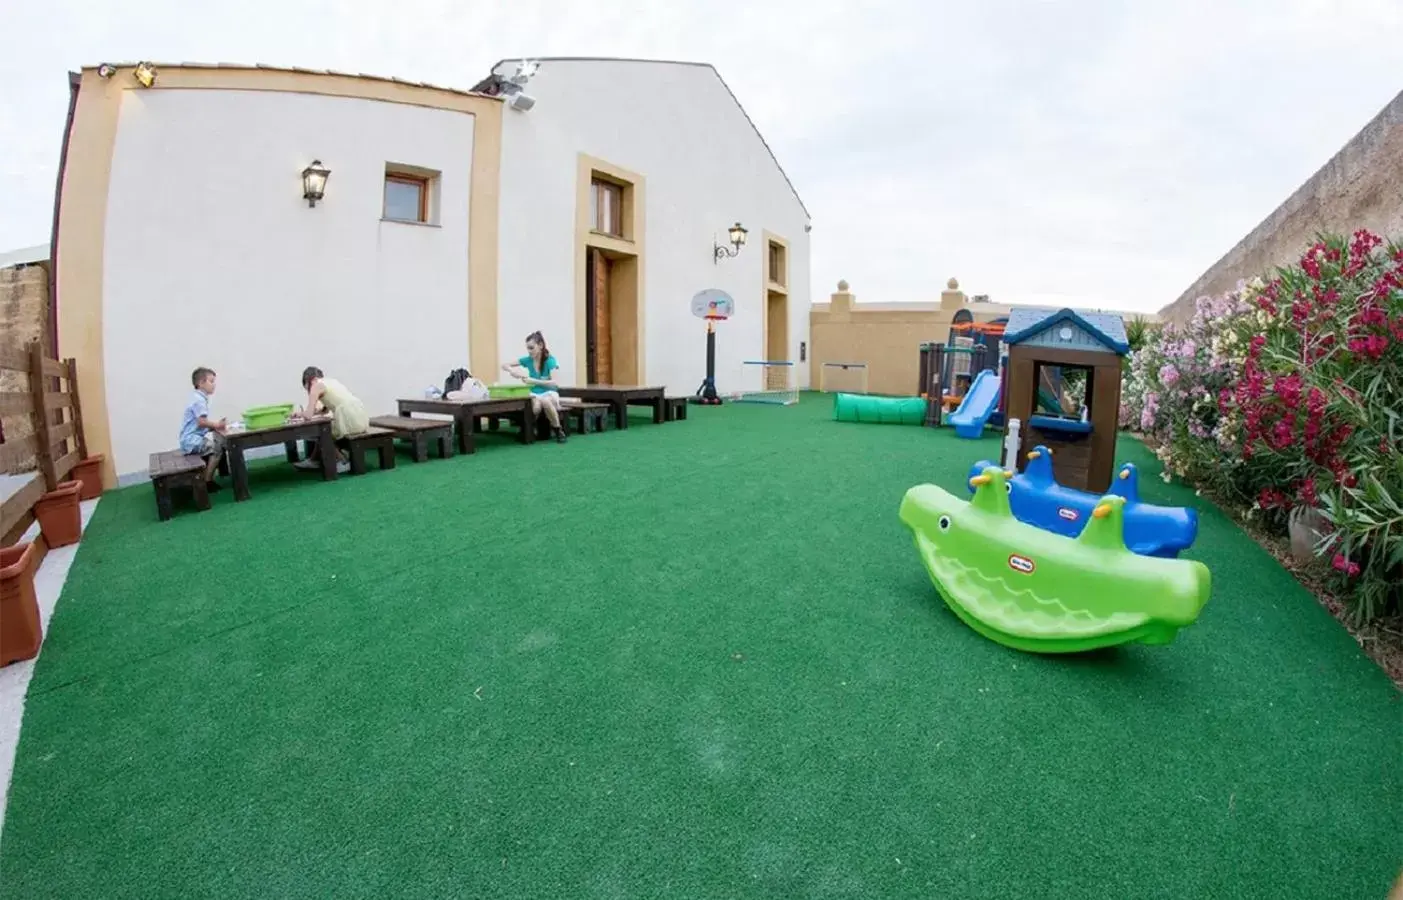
(1037,499)
(1042,592)
(1080,349)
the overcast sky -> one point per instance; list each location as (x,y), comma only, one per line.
(1097,152)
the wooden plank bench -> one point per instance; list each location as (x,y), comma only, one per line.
(381,440)
(586,417)
(575,418)
(676,408)
(421,434)
(171,469)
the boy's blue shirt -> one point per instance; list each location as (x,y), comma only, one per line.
(192,436)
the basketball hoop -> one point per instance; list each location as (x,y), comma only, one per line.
(714,306)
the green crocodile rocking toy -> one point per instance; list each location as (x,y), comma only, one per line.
(1040,592)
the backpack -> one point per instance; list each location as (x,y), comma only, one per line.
(455,380)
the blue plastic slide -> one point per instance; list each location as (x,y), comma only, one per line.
(980,402)
(1037,499)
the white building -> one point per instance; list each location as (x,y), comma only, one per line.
(452,224)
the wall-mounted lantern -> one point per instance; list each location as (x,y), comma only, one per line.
(737,235)
(314,182)
(145,74)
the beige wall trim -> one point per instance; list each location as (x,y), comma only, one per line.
(769,284)
(83,205)
(887,340)
(629,248)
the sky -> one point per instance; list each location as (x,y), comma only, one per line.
(1101,153)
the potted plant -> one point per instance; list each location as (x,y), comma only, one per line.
(20,634)
(60,518)
(89,473)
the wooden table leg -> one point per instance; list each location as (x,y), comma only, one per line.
(620,414)
(659,410)
(465,434)
(327,448)
(239,468)
(293,454)
(224,464)
(527,434)
(201,491)
(421,447)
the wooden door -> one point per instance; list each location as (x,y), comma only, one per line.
(598,343)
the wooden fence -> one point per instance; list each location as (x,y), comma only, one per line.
(57,443)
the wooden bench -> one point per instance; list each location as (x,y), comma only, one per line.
(421,434)
(575,418)
(171,469)
(381,440)
(676,408)
(586,417)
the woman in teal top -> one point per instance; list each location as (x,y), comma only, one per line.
(539,366)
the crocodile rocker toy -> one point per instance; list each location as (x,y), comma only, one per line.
(1041,592)
(1039,500)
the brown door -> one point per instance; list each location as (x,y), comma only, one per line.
(599,346)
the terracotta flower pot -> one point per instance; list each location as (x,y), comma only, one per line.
(59,517)
(89,472)
(20,634)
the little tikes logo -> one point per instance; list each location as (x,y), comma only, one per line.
(1069,514)
(1021,564)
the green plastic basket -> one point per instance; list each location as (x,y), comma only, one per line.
(266,416)
(507,391)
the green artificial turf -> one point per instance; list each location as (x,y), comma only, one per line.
(696,660)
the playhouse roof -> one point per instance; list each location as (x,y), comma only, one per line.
(1106,329)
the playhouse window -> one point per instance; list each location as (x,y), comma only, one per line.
(1063,390)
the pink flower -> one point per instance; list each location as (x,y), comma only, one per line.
(1168,374)
(1343,564)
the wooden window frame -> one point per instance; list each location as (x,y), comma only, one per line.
(599,187)
(777,262)
(420,182)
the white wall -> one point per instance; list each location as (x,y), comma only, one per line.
(213,258)
(704,168)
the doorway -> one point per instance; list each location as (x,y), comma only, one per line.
(776,338)
(599,344)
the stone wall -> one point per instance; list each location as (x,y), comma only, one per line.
(887,337)
(1361,187)
(24,314)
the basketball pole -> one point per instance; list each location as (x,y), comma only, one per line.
(706,394)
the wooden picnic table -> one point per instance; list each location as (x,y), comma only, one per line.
(465,415)
(316,430)
(621,397)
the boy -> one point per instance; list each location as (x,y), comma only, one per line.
(199,434)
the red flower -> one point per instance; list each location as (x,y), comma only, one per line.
(1289,390)
(1344,565)
(1363,243)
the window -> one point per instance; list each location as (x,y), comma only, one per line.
(606,207)
(406,197)
(777,263)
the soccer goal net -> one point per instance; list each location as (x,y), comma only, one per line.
(774,380)
(844,377)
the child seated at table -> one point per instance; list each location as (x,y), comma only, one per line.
(348,416)
(199,434)
(536,369)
